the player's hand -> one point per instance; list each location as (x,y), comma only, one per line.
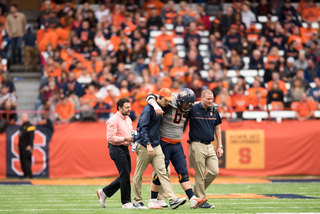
(219,152)
(150,151)
(125,143)
(157,109)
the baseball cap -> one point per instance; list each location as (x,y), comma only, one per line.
(166,93)
(94,53)
(290,59)
(233,26)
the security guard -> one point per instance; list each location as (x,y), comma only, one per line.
(26,137)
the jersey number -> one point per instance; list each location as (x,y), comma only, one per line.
(178,117)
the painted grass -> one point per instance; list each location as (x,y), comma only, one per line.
(83,199)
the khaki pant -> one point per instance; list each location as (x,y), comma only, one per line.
(30,53)
(203,157)
(157,162)
(161,192)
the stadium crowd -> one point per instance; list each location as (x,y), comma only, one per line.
(90,58)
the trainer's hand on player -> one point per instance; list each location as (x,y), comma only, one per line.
(219,152)
(150,150)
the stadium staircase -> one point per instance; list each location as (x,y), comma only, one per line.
(27,84)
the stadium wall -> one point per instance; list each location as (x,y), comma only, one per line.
(251,149)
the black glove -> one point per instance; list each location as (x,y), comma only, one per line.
(214,107)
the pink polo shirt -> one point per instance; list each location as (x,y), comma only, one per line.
(118,127)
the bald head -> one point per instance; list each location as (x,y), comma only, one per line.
(24,117)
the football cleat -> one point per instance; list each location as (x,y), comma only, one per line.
(102,197)
(153,204)
(162,203)
(207,206)
(127,206)
(178,202)
(139,206)
(197,202)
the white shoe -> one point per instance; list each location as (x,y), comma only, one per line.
(127,206)
(139,206)
(197,202)
(102,197)
(162,203)
(153,204)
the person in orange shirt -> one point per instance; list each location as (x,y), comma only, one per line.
(223,100)
(179,69)
(90,97)
(259,103)
(311,13)
(169,14)
(69,55)
(305,108)
(163,38)
(296,37)
(273,56)
(119,17)
(306,32)
(65,109)
(240,102)
(167,57)
(252,93)
(153,66)
(67,20)
(53,5)
(183,9)
(128,26)
(94,65)
(153,4)
(282,84)
(303,4)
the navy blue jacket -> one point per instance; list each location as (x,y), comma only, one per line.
(202,123)
(29,38)
(233,41)
(149,127)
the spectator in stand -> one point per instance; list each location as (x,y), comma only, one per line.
(65,8)
(105,108)
(67,20)
(235,61)
(103,11)
(247,15)
(275,94)
(292,50)
(153,4)
(7,82)
(162,39)
(44,14)
(185,9)
(312,71)
(280,83)
(303,4)
(192,37)
(192,62)
(65,110)
(90,98)
(169,14)
(296,90)
(286,8)
(29,48)
(305,108)
(253,96)
(85,33)
(219,56)
(84,12)
(3,9)
(84,78)
(225,103)
(233,39)
(296,37)
(179,28)
(72,86)
(278,38)
(45,111)
(263,9)
(8,102)
(132,6)
(309,54)
(227,20)
(154,22)
(314,93)
(300,76)
(289,71)
(167,56)
(301,62)
(138,66)
(256,60)
(239,102)
(311,13)
(306,32)
(212,7)
(16,23)
(188,16)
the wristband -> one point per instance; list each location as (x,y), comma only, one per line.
(220,146)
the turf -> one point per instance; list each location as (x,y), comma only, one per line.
(83,199)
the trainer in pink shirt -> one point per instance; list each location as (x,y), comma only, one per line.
(118,127)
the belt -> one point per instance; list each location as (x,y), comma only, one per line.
(203,142)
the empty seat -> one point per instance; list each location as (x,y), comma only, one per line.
(204,40)
(246,60)
(206,67)
(261,72)
(204,33)
(182,54)
(127,66)
(312,84)
(203,53)
(250,115)
(178,41)
(249,73)
(283,114)
(317,114)
(288,86)
(156,33)
(231,73)
(181,48)
(169,26)
(152,41)
(249,80)
(4,61)
(204,74)
(211,18)
(203,47)
(281,52)
(259,26)
(206,60)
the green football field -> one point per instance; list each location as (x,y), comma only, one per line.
(83,199)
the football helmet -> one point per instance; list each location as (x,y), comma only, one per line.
(185,99)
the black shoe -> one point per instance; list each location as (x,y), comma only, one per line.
(178,202)
(207,206)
